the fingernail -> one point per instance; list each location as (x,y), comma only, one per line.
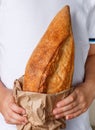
(68,117)
(56,116)
(58,105)
(24,115)
(54,111)
(23,123)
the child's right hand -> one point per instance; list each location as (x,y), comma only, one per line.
(12,113)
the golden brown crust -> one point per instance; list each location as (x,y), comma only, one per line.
(50,66)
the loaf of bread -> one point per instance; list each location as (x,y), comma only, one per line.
(50,67)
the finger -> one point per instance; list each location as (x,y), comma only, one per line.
(18,117)
(73,115)
(71,98)
(14,122)
(65,108)
(14,107)
(15,118)
(60,115)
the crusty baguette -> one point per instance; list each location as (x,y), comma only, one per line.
(50,67)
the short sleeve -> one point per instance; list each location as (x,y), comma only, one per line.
(91,24)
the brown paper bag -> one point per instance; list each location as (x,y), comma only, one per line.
(39,108)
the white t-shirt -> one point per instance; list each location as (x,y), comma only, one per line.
(22,24)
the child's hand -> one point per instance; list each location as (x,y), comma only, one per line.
(76,103)
(12,113)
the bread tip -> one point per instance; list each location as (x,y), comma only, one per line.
(67,7)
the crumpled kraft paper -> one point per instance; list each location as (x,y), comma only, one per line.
(39,108)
